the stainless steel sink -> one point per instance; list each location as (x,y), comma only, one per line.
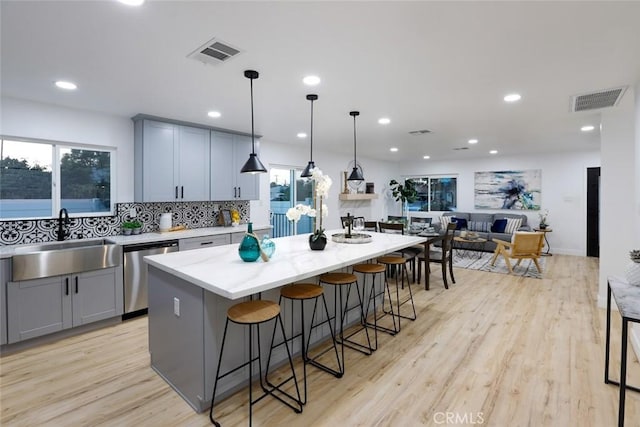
(59,258)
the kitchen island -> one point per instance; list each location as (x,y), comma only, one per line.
(190,292)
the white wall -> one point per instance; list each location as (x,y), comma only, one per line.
(563,190)
(277,154)
(618,208)
(54,123)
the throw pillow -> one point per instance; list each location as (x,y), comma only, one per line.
(444,221)
(480,226)
(461,223)
(499,225)
(512,225)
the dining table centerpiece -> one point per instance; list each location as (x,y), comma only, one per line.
(322,184)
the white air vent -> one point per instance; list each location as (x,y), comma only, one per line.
(601,99)
(419,132)
(215,51)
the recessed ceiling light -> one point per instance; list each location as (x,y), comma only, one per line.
(393,149)
(493,152)
(311,80)
(132,2)
(473,141)
(384,121)
(512,97)
(301,135)
(587,128)
(214,114)
(66,85)
(426,157)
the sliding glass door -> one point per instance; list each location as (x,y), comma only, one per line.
(288,189)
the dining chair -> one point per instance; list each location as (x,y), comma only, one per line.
(343,220)
(443,257)
(421,220)
(525,245)
(371,226)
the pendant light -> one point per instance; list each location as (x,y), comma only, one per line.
(253,165)
(356,175)
(306,173)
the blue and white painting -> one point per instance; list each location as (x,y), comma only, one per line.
(508,189)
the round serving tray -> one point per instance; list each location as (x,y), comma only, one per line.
(355,238)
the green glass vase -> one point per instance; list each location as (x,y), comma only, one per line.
(249,249)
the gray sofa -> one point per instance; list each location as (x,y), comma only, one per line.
(481,224)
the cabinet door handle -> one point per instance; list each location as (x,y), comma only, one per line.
(206,243)
(239,192)
(76,284)
(66,286)
(182,192)
(176,191)
(235,192)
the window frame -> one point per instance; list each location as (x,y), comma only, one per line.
(429,178)
(56,201)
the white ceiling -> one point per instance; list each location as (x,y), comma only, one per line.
(442,66)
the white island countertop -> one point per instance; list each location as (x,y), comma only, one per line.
(221,271)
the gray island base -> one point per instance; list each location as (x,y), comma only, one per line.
(190,292)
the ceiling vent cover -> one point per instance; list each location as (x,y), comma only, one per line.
(215,51)
(601,99)
(419,132)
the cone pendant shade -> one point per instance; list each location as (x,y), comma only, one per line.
(356,174)
(306,173)
(253,165)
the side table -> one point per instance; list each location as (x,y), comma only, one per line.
(628,301)
(544,231)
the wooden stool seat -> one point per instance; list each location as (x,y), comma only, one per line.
(393,260)
(338,278)
(252,312)
(301,291)
(369,268)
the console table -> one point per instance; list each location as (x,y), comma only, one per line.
(628,301)
(544,231)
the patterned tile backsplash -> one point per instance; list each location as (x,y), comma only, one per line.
(191,214)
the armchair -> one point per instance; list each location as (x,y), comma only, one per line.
(525,246)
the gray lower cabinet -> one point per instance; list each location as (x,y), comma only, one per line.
(43,306)
(203,242)
(5,274)
(260,232)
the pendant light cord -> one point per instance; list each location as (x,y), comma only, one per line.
(253,145)
(311,151)
(355,162)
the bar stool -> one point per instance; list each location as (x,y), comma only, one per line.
(303,292)
(341,309)
(253,313)
(400,262)
(374,270)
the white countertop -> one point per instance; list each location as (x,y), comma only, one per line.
(9,250)
(221,271)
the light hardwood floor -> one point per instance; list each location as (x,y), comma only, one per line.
(496,349)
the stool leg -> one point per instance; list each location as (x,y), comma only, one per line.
(340,372)
(364,349)
(215,383)
(413,307)
(298,402)
(305,347)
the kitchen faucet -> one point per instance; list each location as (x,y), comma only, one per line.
(62,233)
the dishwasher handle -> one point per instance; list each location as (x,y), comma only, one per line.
(154,245)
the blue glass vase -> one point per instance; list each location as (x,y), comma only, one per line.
(268,246)
(249,249)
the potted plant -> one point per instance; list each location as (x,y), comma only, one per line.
(403,193)
(136,227)
(127,228)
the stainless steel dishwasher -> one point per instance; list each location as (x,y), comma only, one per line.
(135,274)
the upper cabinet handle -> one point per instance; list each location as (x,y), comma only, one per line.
(176,191)
(182,192)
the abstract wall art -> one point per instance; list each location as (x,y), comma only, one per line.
(508,189)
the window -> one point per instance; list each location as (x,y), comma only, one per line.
(435,193)
(285,182)
(38,178)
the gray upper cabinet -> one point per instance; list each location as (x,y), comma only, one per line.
(171,162)
(229,152)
